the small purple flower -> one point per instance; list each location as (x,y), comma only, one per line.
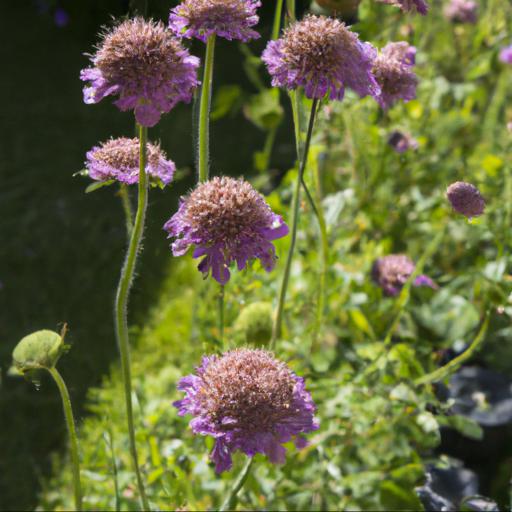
(506,55)
(466,199)
(420,6)
(462,11)
(402,142)
(249,401)
(146,66)
(323,56)
(231,19)
(227,221)
(392,272)
(118,159)
(393,72)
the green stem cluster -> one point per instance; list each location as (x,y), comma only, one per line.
(121,306)
(276,330)
(73,440)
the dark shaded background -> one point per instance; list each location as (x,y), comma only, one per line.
(60,249)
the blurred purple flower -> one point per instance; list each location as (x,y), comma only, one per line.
(462,11)
(118,159)
(402,142)
(226,220)
(392,272)
(146,66)
(506,55)
(420,6)
(393,71)
(465,199)
(247,400)
(231,19)
(323,56)
(61,17)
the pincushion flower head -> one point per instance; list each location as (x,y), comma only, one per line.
(226,220)
(393,71)
(462,11)
(419,6)
(143,64)
(231,19)
(118,159)
(506,55)
(466,199)
(322,55)
(392,272)
(248,401)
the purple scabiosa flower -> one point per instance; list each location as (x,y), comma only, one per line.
(118,159)
(506,55)
(231,19)
(391,273)
(461,11)
(402,142)
(393,72)
(323,56)
(248,401)
(226,220)
(145,65)
(466,199)
(419,6)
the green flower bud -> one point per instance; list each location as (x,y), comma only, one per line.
(38,350)
(254,324)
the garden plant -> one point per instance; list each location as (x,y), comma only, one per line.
(327,317)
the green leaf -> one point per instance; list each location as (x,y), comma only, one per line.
(227,99)
(464,425)
(394,497)
(98,184)
(264,109)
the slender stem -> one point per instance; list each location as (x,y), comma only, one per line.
(230,501)
(221,315)
(204,111)
(127,208)
(324,258)
(455,363)
(277,19)
(70,422)
(276,330)
(121,305)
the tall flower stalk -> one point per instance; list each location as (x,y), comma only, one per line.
(121,306)
(276,330)
(203,156)
(318,57)
(73,439)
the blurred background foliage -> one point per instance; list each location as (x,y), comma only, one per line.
(382,436)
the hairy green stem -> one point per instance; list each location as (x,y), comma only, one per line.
(73,440)
(121,306)
(127,208)
(230,501)
(276,330)
(203,162)
(455,363)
